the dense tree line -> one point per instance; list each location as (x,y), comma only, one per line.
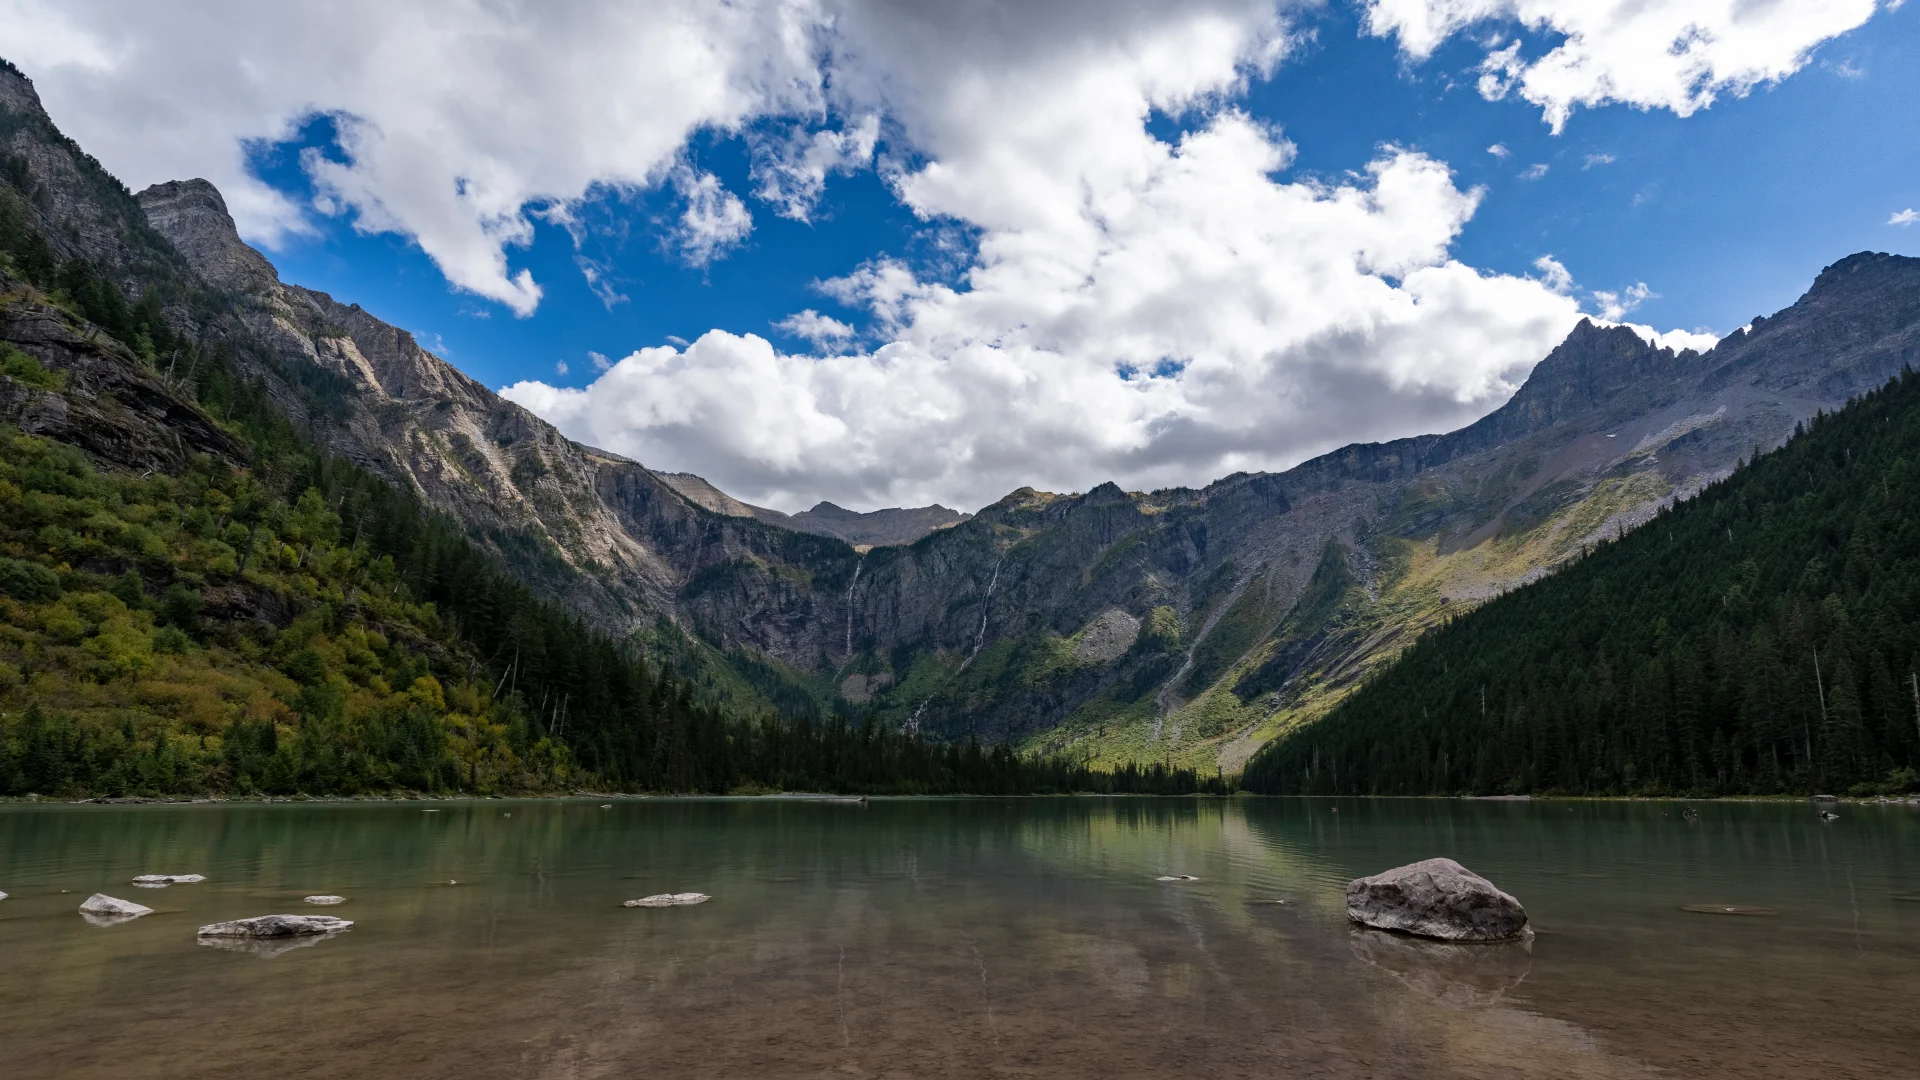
(1762,637)
(360,642)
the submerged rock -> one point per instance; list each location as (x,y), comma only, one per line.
(265,948)
(1469,976)
(108,907)
(675,899)
(161,881)
(325,899)
(275,926)
(1176,877)
(1437,898)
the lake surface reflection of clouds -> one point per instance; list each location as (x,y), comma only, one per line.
(957,938)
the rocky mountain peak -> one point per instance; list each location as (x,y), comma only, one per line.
(1864,271)
(82,210)
(1596,369)
(192,214)
(16,90)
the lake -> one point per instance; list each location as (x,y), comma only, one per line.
(957,938)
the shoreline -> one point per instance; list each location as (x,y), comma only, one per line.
(821,796)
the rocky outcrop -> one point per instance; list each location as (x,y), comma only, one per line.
(109,403)
(1436,898)
(107,907)
(276,926)
(1107,638)
(81,209)
(193,216)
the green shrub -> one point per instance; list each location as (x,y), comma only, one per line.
(181,607)
(27,581)
(20,367)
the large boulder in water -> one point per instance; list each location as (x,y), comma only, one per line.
(1437,898)
(273,926)
(108,907)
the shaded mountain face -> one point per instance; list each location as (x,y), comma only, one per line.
(874,528)
(1185,624)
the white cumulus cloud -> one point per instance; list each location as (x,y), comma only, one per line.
(1650,54)
(714,219)
(1124,307)
(1904,217)
(809,325)
(1554,274)
(1615,305)
(456,116)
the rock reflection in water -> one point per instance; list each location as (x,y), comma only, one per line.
(107,920)
(267,948)
(1462,975)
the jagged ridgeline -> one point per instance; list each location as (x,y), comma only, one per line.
(1763,637)
(196,596)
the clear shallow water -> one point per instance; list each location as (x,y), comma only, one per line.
(957,938)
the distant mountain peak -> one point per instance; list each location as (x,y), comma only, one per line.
(1862,271)
(194,216)
(876,528)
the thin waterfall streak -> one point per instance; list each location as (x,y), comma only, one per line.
(912,726)
(986,612)
(850,587)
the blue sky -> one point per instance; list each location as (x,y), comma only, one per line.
(959,393)
(1726,214)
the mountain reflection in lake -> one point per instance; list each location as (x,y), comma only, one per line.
(956,938)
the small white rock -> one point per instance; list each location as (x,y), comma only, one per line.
(163,880)
(673,899)
(1176,877)
(102,904)
(3,896)
(324,899)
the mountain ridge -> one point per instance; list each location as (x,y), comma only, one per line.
(1010,624)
